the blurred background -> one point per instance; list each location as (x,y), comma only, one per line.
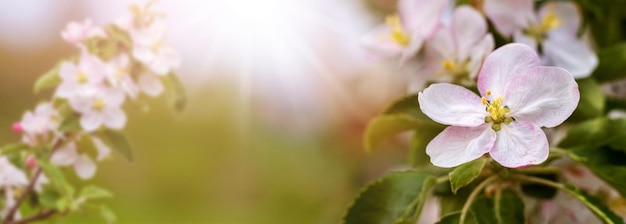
(279,94)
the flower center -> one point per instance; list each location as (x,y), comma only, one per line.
(98,105)
(458,70)
(81,77)
(398,34)
(550,21)
(497,112)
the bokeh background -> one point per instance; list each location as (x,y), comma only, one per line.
(279,94)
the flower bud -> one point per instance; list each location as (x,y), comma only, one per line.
(17,127)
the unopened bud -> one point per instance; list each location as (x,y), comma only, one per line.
(17,127)
(30,162)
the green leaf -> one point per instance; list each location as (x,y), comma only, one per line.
(48,79)
(94,192)
(609,165)
(612,64)
(453,218)
(107,214)
(70,123)
(595,205)
(417,149)
(395,198)
(592,100)
(118,142)
(466,173)
(539,190)
(13,148)
(57,179)
(504,207)
(120,35)
(176,95)
(591,132)
(48,198)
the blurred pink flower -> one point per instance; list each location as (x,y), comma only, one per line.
(37,124)
(552,31)
(403,34)
(67,155)
(75,33)
(456,52)
(80,79)
(519,97)
(102,107)
(10,177)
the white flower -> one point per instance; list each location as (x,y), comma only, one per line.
(102,107)
(148,48)
(80,79)
(75,33)
(118,75)
(38,123)
(67,155)
(10,176)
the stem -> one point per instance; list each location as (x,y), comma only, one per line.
(39,216)
(473,195)
(442,179)
(11,214)
(537,170)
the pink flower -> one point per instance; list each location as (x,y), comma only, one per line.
(75,33)
(36,125)
(103,107)
(456,52)
(553,29)
(519,97)
(67,155)
(10,176)
(80,79)
(149,49)
(403,34)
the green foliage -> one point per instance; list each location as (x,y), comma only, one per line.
(466,173)
(504,207)
(592,100)
(119,35)
(175,92)
(118,142)
(596,133)
(49,198)
(57,181)
(600,210)
(70,123)
(612,64)
(94,192)
(538,190)
(609,165)
(107,214)
(453,218)
(395,198)
(14,148)
(48,79)
(421,138)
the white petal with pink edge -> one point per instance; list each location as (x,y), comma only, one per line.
(457,145)
(452,105)
(520,144)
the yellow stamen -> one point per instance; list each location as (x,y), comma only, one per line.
(398,34)
(497,112)
(488,92)
(550,21)
(483,100)
(81,77)
(448,65)
(98,104)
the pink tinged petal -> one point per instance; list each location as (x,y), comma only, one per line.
(91,121)
(469,28)
(457,145)
(509,16)
(520,37)
(503,65)
(442,43)
(421,17)
(545,96)
(67,89)
(574,55)
(68,71)
(520,144)
(114,97)
(379,45)
(151,85)
(103,149)
(478,54)
(143,54)
(114,118)
(85,167)
(452,105)
(412,49)
(65,156)
(568,15)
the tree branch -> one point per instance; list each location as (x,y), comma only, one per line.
(39,216)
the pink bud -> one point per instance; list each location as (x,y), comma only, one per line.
(30,162)
(17,127)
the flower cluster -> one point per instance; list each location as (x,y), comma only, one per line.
(116,63)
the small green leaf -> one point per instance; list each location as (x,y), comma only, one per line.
(466,173)
(454,218)
(70,124)
(94,192)
(13,148)
(539,190)
(595,205)
(48,79)
(417,149)
(505,207)
(175,92)
(592,100)
(107,214)
(395,198)
(118,142)
(586,133)
(609,165)
(57,179)
(48,198)
(384,126)
(120,35)
(612,64)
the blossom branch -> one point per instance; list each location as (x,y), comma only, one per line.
(39,216)
(473,195)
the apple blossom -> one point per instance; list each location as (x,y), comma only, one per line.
(10,177)
(403,34)
(552,31)
(518,98)
(75,33)
(68,155)
(102,107)
(37,124)
(118,75)
(456,52)
(80,79)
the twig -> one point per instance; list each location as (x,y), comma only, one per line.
(39,216)
(472,196)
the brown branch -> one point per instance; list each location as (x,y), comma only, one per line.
(39,216)
(10,216)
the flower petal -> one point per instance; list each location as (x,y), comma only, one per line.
(85,167)
(452,105)
(503,65)
(103,149)
(91,121)
(519,144)
(575,55)
(65,155)
(478,54)
(457,145)
(114,118)
(510,15)
(151,85)
(546,96)
(379,45)
(421,17)
(567,14)
(469,28)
